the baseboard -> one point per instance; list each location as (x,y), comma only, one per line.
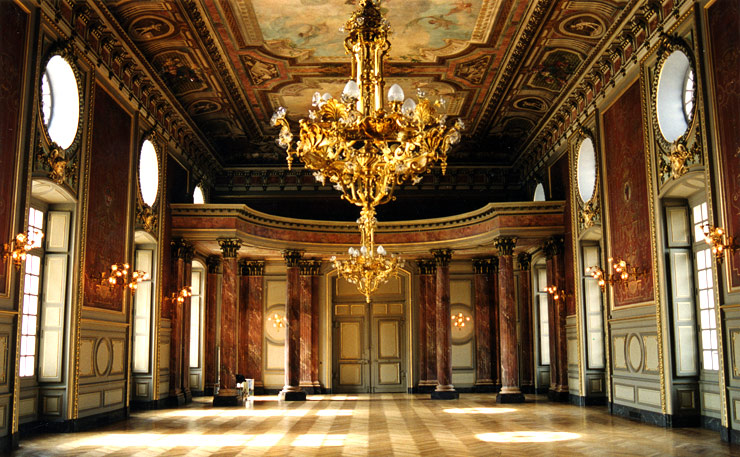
(577,400)
(653,418)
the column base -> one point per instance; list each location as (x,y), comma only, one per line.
(447,394)
(502,397)
(292,394)
(559,396)
(226,400)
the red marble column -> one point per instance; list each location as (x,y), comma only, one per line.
(188,280)
(315,272)
(227,394)
(255,271)
(292,390)
(210,324)
(510,392)
(179,248)
(444,390)
(495,325)
(309,271)
(482,269)
(558,343)
(243,319)
(427,325)
(526,323)
(306,382)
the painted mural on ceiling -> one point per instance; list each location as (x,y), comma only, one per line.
(419,26)
(501,65)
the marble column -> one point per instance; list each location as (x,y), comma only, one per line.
(227,395)
(526,324)
(242,318)
(179,248)
(510,392)
(315,277)
(292,389)
(444,390)
(558,391)
(495,326)
(255,272)
(187,282)
(306,268)
(309,269)
(210,324)
(427,325)
(482,269)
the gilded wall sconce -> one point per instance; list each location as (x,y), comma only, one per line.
(18,248)
(717,238)
(119,276)
(618,272)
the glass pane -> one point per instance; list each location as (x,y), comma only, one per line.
(33,305)
(701,263)
(705,319)
(715,360)
(707,358)
(706,339)
(713,338)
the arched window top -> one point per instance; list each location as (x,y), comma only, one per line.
(539,193)
(148,173)
(198,197)
(60,101)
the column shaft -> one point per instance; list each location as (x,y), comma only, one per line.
(227,394)
(482,322)
(292,390)
(255,321)
(526,324)
(210,324)
(510,392)
(444,390)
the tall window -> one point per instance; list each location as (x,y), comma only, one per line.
(542,318)
(31,289)
(592,302)
(196,302)
(705,289)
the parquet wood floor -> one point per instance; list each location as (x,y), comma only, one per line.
(379,425)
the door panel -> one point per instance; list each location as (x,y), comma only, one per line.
(387,362)
(350,362)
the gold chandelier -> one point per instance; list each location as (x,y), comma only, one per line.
(364,149)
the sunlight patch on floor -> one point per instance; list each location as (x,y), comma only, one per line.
(526,437)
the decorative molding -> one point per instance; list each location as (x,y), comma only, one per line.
(147,218)
(229,247)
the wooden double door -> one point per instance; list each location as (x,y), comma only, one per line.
(368,348)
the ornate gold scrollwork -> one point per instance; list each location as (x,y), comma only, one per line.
(146,217)
(590,213)
(60,166)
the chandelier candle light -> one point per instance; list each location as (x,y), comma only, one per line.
(717,238)
(459,319)
(364,149)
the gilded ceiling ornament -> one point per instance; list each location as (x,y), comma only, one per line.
(590,213)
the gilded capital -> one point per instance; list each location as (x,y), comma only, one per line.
(426,266)
(229,247)
(213,262)
(553,246)
(292,257)
(525,261)
(485,266)
(251,267)
(505,244)
(181,249)
(442,257)
(309,267)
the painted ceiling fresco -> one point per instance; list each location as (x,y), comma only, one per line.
(502,65)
